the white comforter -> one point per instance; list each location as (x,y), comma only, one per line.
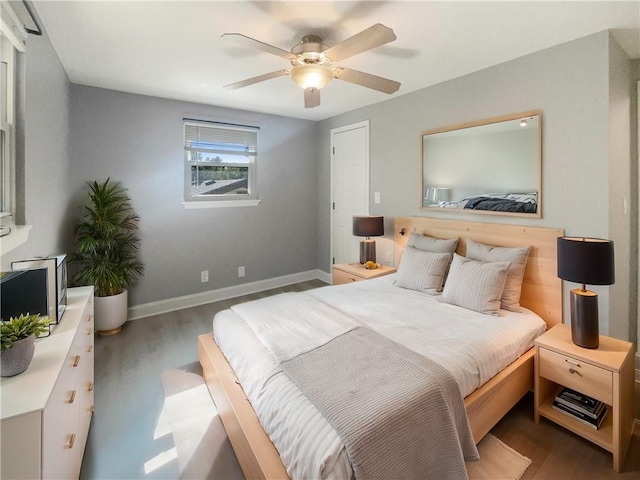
(472,346)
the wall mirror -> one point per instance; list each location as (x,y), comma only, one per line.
(491,166)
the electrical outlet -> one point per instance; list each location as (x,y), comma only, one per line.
(204,276)
(240,272)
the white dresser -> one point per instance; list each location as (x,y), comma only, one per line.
(46,410)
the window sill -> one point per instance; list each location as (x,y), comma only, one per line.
(18,236)
(221,204)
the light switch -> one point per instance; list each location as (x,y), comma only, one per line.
(376,197)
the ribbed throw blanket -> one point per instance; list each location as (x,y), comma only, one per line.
(400,414)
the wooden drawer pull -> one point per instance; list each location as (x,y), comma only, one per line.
(72,397)
(89,348)
(72,440)
(90,389)
(572,362)
(76,360)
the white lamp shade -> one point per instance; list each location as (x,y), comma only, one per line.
(437,195)
(311,76)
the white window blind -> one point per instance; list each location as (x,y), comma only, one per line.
(220,161)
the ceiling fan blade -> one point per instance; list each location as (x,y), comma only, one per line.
(367,39)
(253,43)
(367,80)
(259,78)
(311,97)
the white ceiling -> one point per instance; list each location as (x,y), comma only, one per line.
(174,49)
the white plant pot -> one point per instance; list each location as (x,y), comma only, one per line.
(110,313)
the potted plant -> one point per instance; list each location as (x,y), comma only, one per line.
(106,251)
(17,338)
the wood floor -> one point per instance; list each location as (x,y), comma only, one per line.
(126,439)
(557,453)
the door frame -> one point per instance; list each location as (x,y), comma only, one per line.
(334,131)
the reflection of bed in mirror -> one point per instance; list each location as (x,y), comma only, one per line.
(489,166)
(496,202)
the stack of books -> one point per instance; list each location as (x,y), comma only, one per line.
(585,409)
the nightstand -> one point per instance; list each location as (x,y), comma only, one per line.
(355,272)
(605,373)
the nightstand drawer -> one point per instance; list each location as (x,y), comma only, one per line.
(576,374)
(340,277)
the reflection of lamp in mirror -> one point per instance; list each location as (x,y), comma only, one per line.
(585,261)
(437,195)
(368,227)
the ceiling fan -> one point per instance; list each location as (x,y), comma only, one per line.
(313,62)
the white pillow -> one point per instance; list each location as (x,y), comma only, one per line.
(432,244)
(475,285)
(516,256)
(422,271)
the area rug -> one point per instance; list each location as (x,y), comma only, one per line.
(498,461)
(203,449)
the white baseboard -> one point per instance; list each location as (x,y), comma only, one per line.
(186,301)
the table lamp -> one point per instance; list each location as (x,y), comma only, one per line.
(368,227)
(585,261)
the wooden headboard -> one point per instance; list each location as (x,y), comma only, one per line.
(541,287)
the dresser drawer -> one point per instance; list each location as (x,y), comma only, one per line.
(589,379)
(60,426)
(340,277)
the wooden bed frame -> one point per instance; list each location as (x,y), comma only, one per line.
(541,292)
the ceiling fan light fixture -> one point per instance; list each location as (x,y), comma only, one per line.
(311,76)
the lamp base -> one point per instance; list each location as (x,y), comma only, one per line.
(584,318)
(367,251)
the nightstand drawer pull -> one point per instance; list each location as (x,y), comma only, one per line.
(572,362)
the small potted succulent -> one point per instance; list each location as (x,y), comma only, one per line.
(17,337)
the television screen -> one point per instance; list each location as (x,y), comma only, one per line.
(23,291)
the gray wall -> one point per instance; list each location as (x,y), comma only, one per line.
(138,140)
(43,160)
(569,83)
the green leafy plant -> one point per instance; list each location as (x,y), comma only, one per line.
(106,244)
(24,326)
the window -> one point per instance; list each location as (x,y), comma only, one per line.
(220,162)
(12,42)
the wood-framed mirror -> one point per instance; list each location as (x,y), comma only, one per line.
(492,166)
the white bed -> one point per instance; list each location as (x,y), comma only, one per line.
(247,370)
(472,346)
